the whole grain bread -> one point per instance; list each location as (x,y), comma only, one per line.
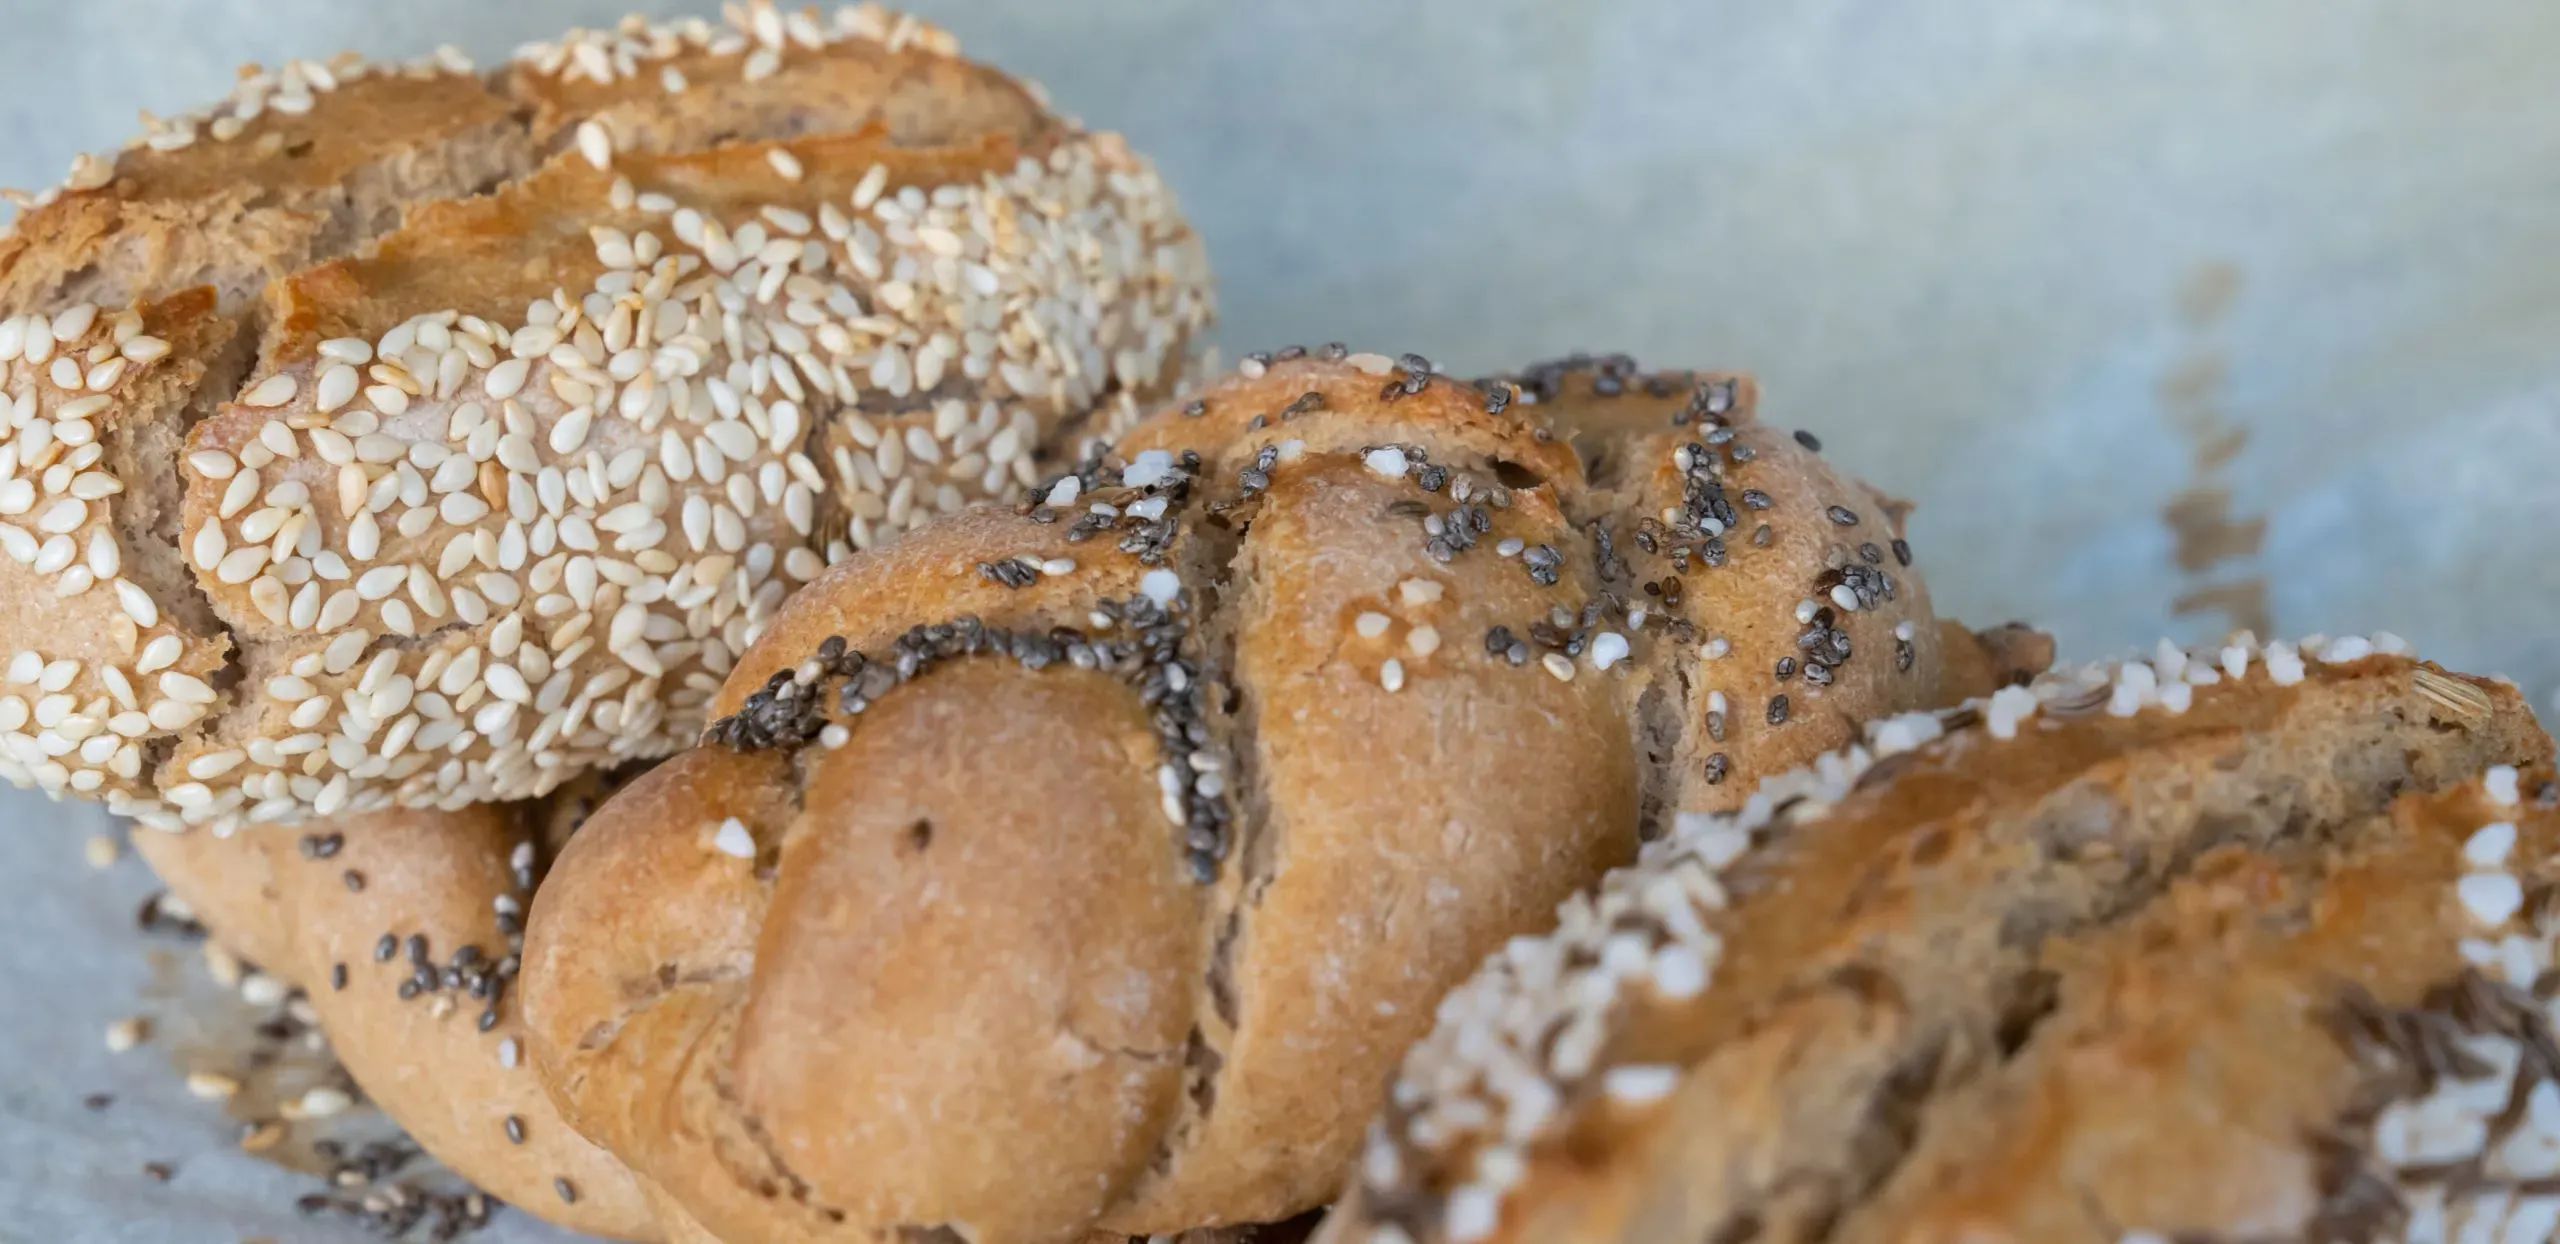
(328,488)
(2210,947)
(1086,866)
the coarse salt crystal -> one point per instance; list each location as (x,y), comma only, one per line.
(1387,461)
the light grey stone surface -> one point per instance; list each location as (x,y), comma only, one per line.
(1956,239)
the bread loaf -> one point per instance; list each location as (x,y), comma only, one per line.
(327,490)
(2233,946)
(1086,866)
(403,928)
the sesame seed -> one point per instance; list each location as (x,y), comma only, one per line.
(2491,898)
(732,838)
(1371,624)
(2500,783)
(1391,674)
(596,144)
(2284,665)
(212,1086)
(2489,846)
(271,392)
(126,1033)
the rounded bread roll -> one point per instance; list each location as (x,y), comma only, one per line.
(403,928)
(2234,945)
(1222,759)
(324,489)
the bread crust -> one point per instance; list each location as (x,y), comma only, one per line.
(2098,961)
(1228,759)
(748,300)
(444,1063)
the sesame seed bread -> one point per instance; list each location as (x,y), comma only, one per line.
(2177,949)
(438,500)
(1225,757)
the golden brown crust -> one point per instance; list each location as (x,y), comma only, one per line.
(1327,798)
(673,94)
(2071,973)
(286,188)
(312,907)
(783,288)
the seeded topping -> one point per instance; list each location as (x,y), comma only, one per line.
(1524,1048)
(471,558)
(1144,640)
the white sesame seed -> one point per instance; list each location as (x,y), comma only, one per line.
(1391,674)
(595,143)
(2489,846)
(1559,665)
(2284,665)
(271,392)
(732,838)
(867,191)
(2491,898)
(506,379)
(1607,649)
(161,653)
(1423,640)
(137,603)
(1371,624)
(212,1086)
(126,1033)
(1473,1210)
(1161,586)
(1638,1085)
(2500,782)
(785,163)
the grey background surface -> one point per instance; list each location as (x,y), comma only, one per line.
(2024,261)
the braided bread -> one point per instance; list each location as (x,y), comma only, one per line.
(403,928)
(1221,760)
(324,490)
(2238,946)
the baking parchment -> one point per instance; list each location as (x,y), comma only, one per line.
(2172,316)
